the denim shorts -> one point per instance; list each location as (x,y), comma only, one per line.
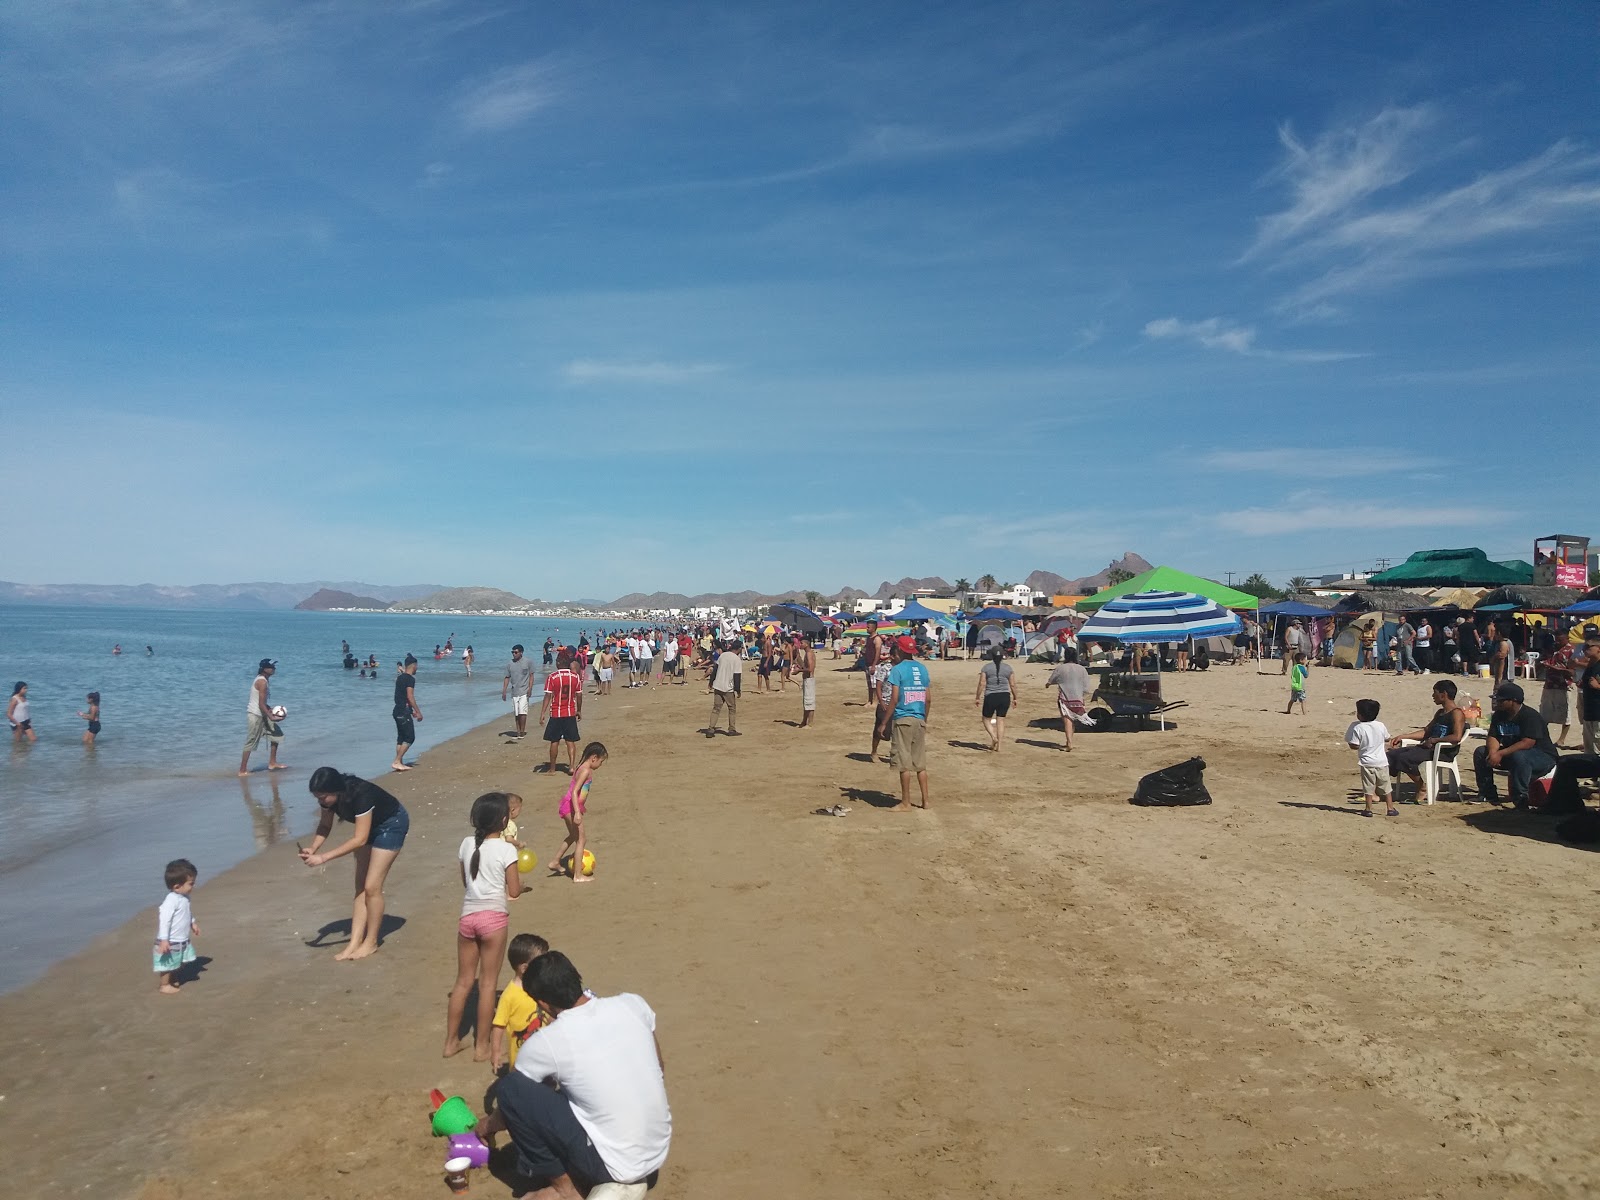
(391,835)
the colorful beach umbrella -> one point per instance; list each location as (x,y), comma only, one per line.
(1159,617)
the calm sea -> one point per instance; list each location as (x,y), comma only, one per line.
(84,834)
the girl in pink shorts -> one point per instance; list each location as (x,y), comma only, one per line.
(574,803)
(489,874)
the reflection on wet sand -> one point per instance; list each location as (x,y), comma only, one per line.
(269,824)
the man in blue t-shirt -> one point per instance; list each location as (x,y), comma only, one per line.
(910,702)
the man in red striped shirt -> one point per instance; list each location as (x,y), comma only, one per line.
(563,705)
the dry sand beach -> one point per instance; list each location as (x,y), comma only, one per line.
(1034,989)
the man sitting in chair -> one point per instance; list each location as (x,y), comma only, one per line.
(1447,727)
(1519,741)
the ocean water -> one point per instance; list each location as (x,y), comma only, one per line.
(84,834)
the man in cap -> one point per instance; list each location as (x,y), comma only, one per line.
(1519,742)
(724,685)
(406,712)
(258,712)
(518,683)
(910,702)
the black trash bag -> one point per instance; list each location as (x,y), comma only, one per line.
(1180,785)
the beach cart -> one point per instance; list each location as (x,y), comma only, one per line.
(1134,695)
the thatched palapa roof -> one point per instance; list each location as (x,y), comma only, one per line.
(1392,600)
(1532,596)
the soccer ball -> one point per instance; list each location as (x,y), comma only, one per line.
(278,712)
(588,863)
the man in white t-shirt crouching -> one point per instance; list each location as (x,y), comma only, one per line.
(610,1122)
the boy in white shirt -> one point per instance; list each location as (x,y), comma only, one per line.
(174,924)
(1368,737)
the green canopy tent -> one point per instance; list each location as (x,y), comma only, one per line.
(1170,579)
(1467,567)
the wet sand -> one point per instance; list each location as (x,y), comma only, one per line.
(1032,989)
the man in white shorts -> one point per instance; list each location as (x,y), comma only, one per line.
(646,661)
(519,684)
(805,658)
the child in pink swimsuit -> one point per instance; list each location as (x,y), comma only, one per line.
(574,803)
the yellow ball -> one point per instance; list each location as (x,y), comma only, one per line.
(527,860)
(588,863)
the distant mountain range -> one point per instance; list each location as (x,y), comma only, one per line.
(323,595)
(1040,581)
(465,599)
(202,595)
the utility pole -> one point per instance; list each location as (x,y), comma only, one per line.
(1383,564)
(1229,574)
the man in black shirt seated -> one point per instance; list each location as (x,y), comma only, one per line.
(1519,741)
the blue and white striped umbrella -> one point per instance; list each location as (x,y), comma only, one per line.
(1159,617)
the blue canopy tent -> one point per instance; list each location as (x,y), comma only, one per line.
(993,614)
(1288,610)
(1583,608)
(1294,608)
(916,611)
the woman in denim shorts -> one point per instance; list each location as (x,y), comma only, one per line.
(381,824)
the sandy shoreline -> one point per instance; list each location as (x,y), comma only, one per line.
(1032,989)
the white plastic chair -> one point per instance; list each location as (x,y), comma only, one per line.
(1433,771)
(1529,663)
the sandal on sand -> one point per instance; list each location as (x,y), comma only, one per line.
(1393,812)
(1368,813)
(837,810)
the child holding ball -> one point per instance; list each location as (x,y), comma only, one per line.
(574,802)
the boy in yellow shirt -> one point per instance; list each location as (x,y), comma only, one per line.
(516,1017)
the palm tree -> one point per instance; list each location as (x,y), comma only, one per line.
(962,587)
(1299,583)
(1257,585)
(1118,575)
(813,598)
(986,583)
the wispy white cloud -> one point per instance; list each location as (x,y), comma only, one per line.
(1324,513)
(1318,464)
(1219,333)
(588,370)
(1339,169)
(1337,225)
(507,97)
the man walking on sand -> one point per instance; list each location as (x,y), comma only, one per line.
(559,713)
(724,687)
(406,712)
(910,702)
(518,683)
(872,654)
(805,661)
(258,714)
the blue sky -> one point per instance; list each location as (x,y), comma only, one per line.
(586,299)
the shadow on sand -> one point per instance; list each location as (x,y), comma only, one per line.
(390,924)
